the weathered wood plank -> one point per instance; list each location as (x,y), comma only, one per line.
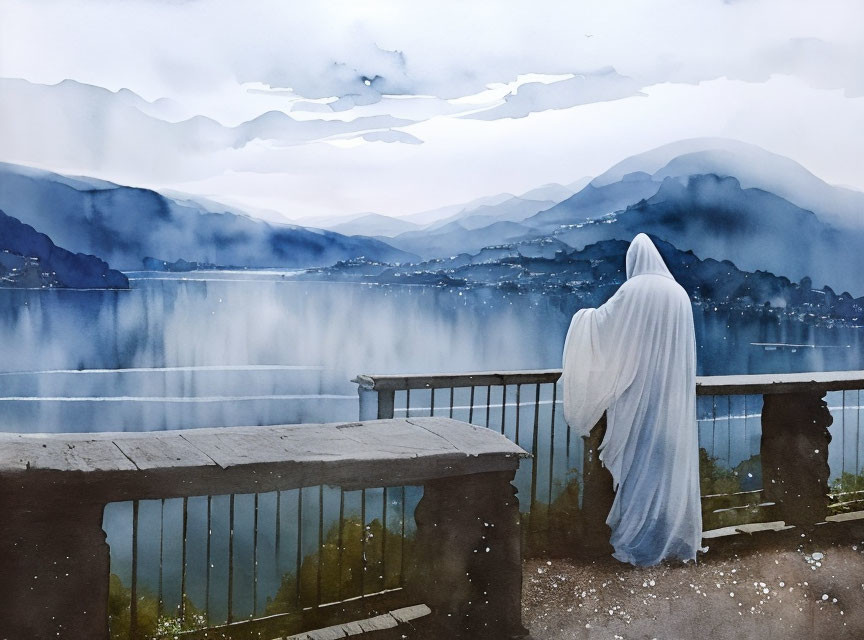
(409,614)
(252,459)
(441,380)
(812,382)
(22,453)
(468,438)
(328,633)
(161,452)
(372,440)
(390,620)
(705,385)
(378,623)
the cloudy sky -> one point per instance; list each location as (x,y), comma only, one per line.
(322,108)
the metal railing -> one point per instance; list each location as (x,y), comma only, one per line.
(224,561)
(525,406)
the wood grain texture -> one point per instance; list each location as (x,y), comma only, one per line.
(112,466)
(705,385)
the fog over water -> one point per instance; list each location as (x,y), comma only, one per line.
(231,348)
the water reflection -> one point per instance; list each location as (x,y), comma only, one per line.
(227,348)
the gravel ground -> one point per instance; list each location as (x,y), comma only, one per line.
(777,585)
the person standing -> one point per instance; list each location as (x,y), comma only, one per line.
(634,358)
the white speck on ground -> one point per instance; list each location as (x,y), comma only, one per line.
(602,598)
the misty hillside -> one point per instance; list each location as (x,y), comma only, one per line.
(753,228)
(373,224)
(723,199)
(29,259)
(754,167)
(595,272)
(124,225)
(593,201)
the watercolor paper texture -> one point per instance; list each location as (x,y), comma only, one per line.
(215,214)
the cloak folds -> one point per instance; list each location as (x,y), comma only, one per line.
(635,358)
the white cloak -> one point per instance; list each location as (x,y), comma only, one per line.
(635,358)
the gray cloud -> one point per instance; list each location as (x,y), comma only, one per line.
(73,124)
(364,51)
(600,86)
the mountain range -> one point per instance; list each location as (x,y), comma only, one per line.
(721,199)
(124,225)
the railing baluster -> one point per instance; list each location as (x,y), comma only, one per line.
(432,401)
(452,391)
(183,560)
(488,401)
(255,560)
(858,440)
(320,545)
(340,540)
(552,443)
(386,404)
(407,402)
(299,559)
(503,406)
(746,433)
(551,453)
(567,445)
(843,434)
(729,431)
(384,540)
(363,542)
(534,443)
(402,541)
(209,562)
(231,558)
(518,407)
(133,603)
(471,407)
(278,528)
(160,597)
(713,424)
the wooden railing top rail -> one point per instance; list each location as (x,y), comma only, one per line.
(107,467)
(810,382)
(445,380)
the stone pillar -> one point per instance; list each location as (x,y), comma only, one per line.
(467,566)
(795,455)
(54,567)
(597,495)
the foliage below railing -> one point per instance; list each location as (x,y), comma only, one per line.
(715,479)
(334,579)
(354,562)
(151,625)
(847,492)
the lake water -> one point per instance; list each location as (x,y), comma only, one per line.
(232,348)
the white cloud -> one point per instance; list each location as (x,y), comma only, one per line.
(785,74)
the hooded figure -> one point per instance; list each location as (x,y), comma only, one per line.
(635,358)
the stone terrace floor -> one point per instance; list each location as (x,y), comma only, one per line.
(770,585)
